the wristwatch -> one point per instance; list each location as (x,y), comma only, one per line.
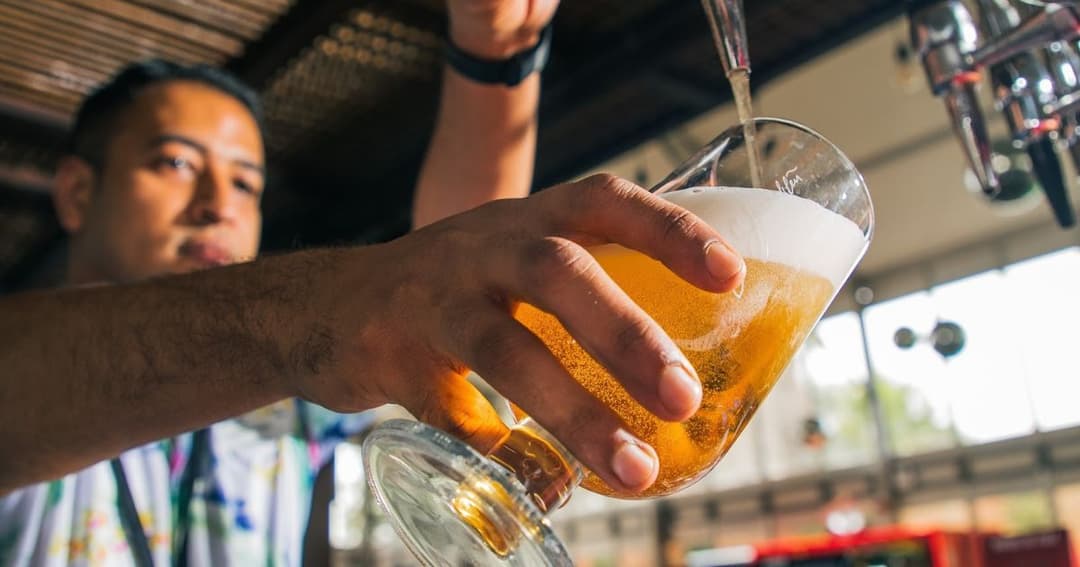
(510,71)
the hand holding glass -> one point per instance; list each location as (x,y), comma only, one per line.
(801,236)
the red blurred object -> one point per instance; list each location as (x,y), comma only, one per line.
(939,548)
(917,548)
(1050,549)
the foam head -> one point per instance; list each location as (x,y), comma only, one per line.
(774,226)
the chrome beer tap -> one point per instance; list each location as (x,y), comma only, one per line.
(1063,61)
(1030,80)
(1025,89)
(944,34)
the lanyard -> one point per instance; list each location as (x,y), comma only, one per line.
(129,518)
(129,515)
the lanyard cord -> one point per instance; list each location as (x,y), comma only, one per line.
(129,515)
(129,518)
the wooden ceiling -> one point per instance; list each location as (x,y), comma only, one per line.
(350,88)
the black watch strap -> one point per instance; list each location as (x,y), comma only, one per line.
(511,71)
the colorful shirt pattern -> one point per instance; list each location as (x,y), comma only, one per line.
(251,509)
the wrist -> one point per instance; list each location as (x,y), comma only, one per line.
(493,47)
(519,58)
(304,312)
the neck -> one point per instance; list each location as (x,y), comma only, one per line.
(82,272)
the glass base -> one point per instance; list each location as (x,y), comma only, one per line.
(451,505)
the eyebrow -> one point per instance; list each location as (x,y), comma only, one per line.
(202,149)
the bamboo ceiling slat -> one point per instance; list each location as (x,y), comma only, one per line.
(64,102)
(263,12)
(47,61)
(52,121)
(278,6)
(51,66)
(47,105)
(162,24)
(62,51)
(102,46)
(269,10)
(54,15)
(31,24)
(43,79)
(225,19)
(28,23)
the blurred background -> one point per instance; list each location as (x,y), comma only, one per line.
(932,419)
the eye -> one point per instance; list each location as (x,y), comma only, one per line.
(175,163)
(244,186)
(178,163)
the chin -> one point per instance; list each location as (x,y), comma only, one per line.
(182,267)
(179,271)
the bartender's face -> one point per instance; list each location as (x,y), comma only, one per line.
(178,190)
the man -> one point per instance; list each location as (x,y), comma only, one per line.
(168,183)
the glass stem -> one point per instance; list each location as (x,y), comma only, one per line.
(540,462)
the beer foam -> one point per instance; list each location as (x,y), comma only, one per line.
(774,226)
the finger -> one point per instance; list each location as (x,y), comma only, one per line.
(518,365)
(457,407)
(603,208)
(563,279)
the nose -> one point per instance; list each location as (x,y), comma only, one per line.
(214,200)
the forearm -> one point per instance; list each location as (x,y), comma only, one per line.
(482,149)
(88,373)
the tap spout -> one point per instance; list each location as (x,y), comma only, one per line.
(729,33)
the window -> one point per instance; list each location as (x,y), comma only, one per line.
(836,366)
(817,416)
(1045,295)
(989,396)
(915,397)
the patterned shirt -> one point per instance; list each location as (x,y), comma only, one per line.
(250,509)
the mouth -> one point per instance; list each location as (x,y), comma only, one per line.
(205,254)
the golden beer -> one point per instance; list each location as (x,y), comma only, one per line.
(739,342)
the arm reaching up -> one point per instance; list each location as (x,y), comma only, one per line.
(484,144)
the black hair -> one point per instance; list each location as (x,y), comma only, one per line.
(96,119)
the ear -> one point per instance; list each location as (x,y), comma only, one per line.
(73,188)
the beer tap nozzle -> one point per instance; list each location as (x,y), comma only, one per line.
(729,33)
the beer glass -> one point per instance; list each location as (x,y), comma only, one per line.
(801,234)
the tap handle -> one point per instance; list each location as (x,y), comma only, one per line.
(970,128)
(1056,22)
(729,33)
(1047,168)
(944,34)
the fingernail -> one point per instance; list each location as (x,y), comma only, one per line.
(633,463)
(679,390)
(738,279)
(723,262)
